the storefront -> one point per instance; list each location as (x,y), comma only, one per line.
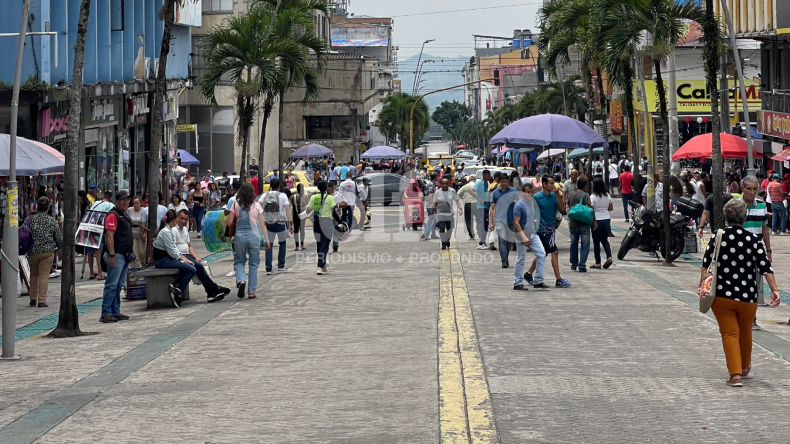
(775,128)
(139,136)
(100,163)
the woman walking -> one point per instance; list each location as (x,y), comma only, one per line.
(742,259)
(135,214)
(47,239)
(166,255)
(214,197)
(198,200)
(250,229)
(296,206)
(322,205)
(602,204)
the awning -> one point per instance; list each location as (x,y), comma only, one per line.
(783,156)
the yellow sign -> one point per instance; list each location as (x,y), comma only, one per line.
(186,128)
(694,97)
(13,207)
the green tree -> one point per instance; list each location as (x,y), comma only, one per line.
(394,119)
(712,50)
(451,115)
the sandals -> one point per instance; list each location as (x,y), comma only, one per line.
(251,296)
(93,276)
(748,373)
(607,264)
(303,248)
(596,267)
(297,248)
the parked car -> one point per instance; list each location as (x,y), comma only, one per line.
(385,188)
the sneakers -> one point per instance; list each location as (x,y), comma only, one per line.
(505,264)
(444,247)
(782,233)
(282,270)
(562,283)
(541,286)
(175,295)
(269,272)
(334,249)
(482,247)
(528,277)
(319,270)
(33,303)
(121,317)
(231,274)
(583,270)
(218,295)
(106,319)
(573,268)
(325,268)
(520,287)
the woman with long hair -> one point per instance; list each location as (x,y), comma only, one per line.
(602,204)
(323,205)
(185,182)
(734,184)
(297,202)
(135,213)
(250,229)
(166,255)
(47,239)
(198,200)
(678,188)
(214,196)
(177,204)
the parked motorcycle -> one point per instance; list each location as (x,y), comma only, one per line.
(647,229)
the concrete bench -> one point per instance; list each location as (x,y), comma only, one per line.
(157,286)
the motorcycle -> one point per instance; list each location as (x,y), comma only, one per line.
(647,229)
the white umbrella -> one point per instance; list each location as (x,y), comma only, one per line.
(551,153)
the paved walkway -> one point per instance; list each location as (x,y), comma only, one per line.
(404,343)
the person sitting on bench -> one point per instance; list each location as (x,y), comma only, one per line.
(166,255)
(181,236)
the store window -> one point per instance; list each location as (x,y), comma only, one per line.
(217,5)
(325,127)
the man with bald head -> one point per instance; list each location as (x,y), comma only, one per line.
(570,184)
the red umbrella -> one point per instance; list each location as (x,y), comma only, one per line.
(732,147)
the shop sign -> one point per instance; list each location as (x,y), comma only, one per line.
(694,96)
(187,128)
(170,107)
(48,124)
(616,116)
(101,111)
(773,124)
(137,109)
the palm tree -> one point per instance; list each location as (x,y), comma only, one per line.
(711,39)
(68,316)
(394,119)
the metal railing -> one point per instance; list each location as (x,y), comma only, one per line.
(776,101)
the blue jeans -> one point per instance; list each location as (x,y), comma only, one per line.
(626,198)
(197,213)
(276,230)
(580,233)
(322,247)
(430,224)
(208,284)
(601,237)
(505,234)
(185,271)
(521,253)
(481,215)
(244,245)
(780,216)
(116,279)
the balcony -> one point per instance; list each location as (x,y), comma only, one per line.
(776,101)
(757,18)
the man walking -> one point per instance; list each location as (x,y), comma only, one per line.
(119,242)
(333,172)
(625,188)
(467,194)
(276,212)
(525,213)
(777,195)
(350,192)
(501,216)
(430,224)
(757,224)
(580,230)
(181,236)
(570,185)
(548,204)
(480,190)
(363,202)
(443,208)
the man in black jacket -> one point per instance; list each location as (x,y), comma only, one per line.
(119,241)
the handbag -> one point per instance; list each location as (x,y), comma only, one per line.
(582,213)
(706,291)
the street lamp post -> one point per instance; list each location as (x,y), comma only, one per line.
(414,84)
(10,251)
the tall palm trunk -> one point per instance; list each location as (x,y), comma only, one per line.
(246,113)
(587,78)
(281,114)
(664,112)
(268,107)
(604,119)
(68,316)
(710,55)
(628,73)
(157,130)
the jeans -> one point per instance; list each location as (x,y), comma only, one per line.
(482,224)
(244,245)
(470,228)
(521,253)
(626,198)
(580,233)
(430,224)
(601,236)
(322,247)
(780,216)
(445,231)
(208,284)
(505,233)
(185,274)
(116,279)
(197,213)
(276,230)
(347,216)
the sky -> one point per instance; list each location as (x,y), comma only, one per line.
(452,30)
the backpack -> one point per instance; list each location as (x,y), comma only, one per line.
(271,208)
(26,237)
(598,168)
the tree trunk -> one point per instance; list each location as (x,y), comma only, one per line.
(157,130)
(604,118)
(711,57)
(242,104)
(268,106)
(628,73)
(68,316)
(664,112)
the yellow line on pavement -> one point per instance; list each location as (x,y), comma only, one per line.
(465,411)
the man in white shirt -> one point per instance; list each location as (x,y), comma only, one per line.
(363,202)
(597,167)
(276,223)
(341,204)
(214,292)
(614,182)
(349,189)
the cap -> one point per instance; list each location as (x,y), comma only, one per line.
(208,171)
(776,176)
(93,187)
(123,194)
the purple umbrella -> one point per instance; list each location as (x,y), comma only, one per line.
(312,150)
(549,130)
(383,152)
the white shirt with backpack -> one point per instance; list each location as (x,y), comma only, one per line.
(349,190)
(274,204)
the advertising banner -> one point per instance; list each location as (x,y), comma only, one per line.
(773,124)
(91,230)
(694,97)
(616,116)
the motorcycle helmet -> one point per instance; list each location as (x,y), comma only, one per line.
(343,232)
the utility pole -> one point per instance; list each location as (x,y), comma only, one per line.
(10,253)
(724,89)
(674,135)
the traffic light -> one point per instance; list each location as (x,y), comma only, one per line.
(496,77)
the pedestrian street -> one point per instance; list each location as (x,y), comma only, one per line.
(402,342)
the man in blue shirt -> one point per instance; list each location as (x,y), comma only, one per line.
(333,175)
(501,217)
(525,213)
(548,204)
(480,192)
(343,172)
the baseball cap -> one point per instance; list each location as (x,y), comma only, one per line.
(93,187)
(123,194)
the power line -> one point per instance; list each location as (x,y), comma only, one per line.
(467,10)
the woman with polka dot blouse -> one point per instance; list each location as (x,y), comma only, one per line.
(742,259)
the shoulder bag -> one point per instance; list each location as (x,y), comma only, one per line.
(581,212)
(707,291)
